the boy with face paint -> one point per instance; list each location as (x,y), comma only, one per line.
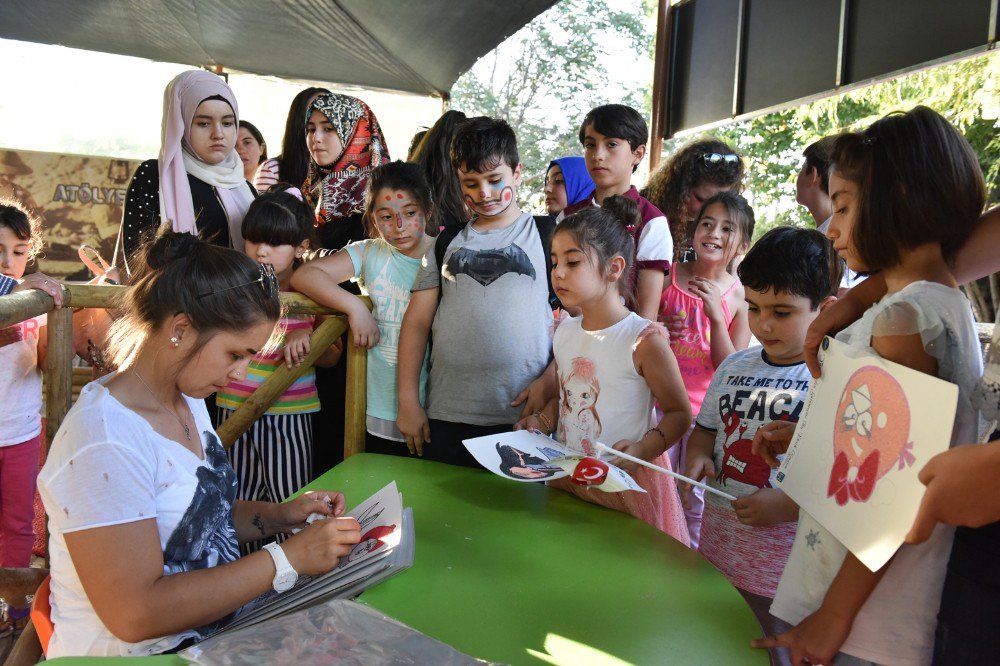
(485,298)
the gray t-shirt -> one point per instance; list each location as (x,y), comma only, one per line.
(492,333)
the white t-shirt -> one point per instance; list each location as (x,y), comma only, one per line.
(896,624)
(20,382)
(747,392)
(107,467)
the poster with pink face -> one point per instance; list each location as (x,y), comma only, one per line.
(868,427)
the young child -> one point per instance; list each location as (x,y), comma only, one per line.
(788,275)
(959,481)
(906,192)
(486,300)
(611,365)
(812,190)
(398,209)
(566,183)
(22,357)
(614,140)
(705,311)
(688,179)
(273,459)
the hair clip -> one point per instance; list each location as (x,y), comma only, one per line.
(268,281)
(295,192)
(869,141)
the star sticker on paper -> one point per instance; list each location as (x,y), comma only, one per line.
(812,539)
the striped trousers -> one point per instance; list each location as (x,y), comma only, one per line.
(273,459)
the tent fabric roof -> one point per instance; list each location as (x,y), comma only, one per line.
(407,45)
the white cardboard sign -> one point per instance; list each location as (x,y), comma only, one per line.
(868,427)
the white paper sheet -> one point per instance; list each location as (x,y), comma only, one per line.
(868,427)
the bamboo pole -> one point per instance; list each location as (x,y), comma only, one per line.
(58,371)
(105,296)
(356,400)
(15,308)
(279,381)
(59,376)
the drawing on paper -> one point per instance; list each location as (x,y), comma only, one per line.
(871,434)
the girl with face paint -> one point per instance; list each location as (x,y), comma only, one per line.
(197,184)
(399,212)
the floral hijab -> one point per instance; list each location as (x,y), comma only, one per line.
(338,190)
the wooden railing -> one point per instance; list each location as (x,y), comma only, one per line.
(58,386)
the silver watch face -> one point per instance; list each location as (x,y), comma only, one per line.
(284,580)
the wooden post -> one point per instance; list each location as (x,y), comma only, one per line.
(662,61)
(356,402)
(58,371)
(279,381)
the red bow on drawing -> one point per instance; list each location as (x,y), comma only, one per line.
(860,489)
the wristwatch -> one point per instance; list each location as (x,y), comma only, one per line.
(284,575)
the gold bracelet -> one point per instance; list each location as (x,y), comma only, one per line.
(545,421)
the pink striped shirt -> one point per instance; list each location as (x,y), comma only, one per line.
(300,398)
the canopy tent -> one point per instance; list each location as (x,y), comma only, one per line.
(419,47)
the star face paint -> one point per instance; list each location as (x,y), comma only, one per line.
(400,219)
(490,194)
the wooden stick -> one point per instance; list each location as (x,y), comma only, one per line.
(15,308)
(279,381)
(356,400)
(58,370)
(105,295)
(663,470)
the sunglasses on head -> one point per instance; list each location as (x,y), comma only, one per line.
(714,159)
(268,281)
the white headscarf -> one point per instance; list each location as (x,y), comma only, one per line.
(181,99)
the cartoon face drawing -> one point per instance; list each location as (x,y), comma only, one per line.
(738,461)
(871,434)
(579,423)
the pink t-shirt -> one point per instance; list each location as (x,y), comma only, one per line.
(267,175)
(694,349)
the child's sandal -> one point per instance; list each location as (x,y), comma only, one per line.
(15,619)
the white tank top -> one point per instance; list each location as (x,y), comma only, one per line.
(601,395)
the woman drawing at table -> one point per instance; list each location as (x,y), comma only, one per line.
(141,499)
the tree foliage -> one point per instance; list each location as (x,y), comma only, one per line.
(967,93)
(547,76)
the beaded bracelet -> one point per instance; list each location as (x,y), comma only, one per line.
(545,421)
(658,432)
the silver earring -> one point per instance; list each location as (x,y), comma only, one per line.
(175,341)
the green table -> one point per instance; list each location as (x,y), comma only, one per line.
(522,574)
